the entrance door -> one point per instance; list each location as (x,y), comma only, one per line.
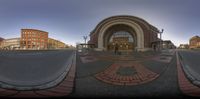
(123,39)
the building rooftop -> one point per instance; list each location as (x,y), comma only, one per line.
(34,30)
(194,37)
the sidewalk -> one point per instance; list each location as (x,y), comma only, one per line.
(139,75)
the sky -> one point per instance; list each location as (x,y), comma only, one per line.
(70,20)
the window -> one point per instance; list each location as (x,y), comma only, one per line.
(121,35)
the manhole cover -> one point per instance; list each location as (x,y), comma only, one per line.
(126,71)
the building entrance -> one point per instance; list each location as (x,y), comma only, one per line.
(124,40)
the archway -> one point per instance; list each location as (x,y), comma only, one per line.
(135,29)
(142,32)
(122,35)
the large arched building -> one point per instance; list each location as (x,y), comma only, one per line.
(129,32)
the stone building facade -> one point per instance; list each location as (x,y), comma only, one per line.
(55,44)
(194,42)
(1,40)
(10,44)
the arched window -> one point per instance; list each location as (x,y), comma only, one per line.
(123,38)
(121,35)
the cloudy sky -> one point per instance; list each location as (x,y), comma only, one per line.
(70,20)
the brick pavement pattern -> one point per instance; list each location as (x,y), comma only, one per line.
(142,75)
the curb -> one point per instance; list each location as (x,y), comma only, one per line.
(60,89)
(186,86)
(188,71)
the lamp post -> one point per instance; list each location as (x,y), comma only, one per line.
(85,38)
(160,32)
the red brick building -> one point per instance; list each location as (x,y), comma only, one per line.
(33,39)
(141,34)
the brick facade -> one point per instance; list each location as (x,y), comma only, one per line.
(33,39)
(150,32)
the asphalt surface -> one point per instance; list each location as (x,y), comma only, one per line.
(20,69)
(191,58)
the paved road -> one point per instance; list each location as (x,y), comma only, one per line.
(191,58)
(25,70)
(191,64)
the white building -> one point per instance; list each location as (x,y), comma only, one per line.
(10,44)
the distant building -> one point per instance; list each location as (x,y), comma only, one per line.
(11,44)
(163,44)
(55,44)
(1,39)
(183,46)
(167,44)
(68,46)
(194,42)
(33,39)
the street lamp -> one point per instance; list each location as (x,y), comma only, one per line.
(85,38)
(160,32)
